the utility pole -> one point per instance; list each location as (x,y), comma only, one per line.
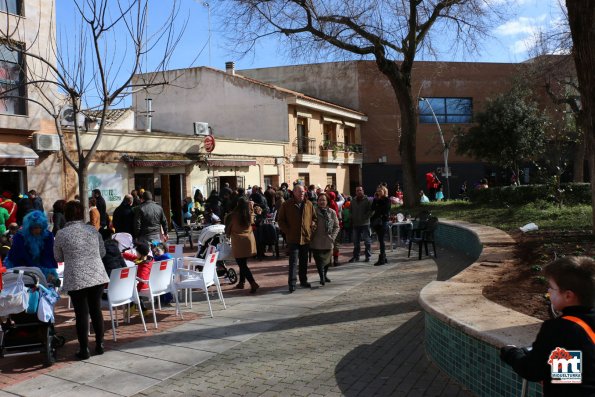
(445,147)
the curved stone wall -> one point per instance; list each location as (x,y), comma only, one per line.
(464,330)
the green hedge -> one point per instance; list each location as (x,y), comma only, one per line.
(574,193)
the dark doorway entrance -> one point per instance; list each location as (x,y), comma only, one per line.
(13,179)
(144,181)
(171,197)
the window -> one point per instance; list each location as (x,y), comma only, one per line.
(304,178)
(447,110)
(11,6)
(329,132)
(331,179)
(349,133)
(11,81)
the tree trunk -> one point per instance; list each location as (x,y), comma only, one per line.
(83,187)
(578,171)
(581,19)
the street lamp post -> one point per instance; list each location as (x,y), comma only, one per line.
(445,147)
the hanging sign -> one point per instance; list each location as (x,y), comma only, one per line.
(209,143)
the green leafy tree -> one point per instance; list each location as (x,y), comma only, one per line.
(510,130)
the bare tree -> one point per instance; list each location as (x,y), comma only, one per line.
(392,33)
(89,64)
(581,19)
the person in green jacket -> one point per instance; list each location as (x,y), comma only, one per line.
(4,215)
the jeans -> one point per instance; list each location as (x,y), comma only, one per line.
(298,262)
(87,302)
(358,231)
(381,232)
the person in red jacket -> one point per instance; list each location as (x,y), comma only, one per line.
(10,206)
(144,261)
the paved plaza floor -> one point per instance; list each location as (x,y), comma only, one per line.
(360,335)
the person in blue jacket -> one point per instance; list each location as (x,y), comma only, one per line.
(33,246)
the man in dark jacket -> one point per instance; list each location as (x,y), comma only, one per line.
(258,198)
(101,207)
(563,354)
(149,220)
(123,220)
(361,209)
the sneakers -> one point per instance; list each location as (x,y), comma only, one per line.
(356,259)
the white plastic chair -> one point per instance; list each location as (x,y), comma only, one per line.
(160,281)
(122,291)
(191,263)
(400,217)
(198,280)
(177,253)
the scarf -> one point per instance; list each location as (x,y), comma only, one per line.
(328,221)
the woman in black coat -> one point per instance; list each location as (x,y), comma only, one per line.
(58,219)
(379,220)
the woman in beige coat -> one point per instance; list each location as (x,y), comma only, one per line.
(327,228)
(238,226)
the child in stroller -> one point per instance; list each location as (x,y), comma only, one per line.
(27,307)
(213,237)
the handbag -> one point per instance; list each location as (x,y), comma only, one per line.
(14,298)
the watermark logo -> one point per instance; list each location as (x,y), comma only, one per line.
(566,365)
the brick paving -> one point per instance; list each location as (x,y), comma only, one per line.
(362,334)
(365,341)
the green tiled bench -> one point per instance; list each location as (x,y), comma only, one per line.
(463,330)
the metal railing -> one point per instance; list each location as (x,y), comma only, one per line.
(305,145)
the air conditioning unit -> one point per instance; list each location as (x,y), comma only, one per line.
(201,128)
(46,142)
(67,117)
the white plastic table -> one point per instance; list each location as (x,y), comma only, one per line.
(390,231)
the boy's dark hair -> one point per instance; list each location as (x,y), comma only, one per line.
(576,274)
(142,249)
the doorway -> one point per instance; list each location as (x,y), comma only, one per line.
(13,179)
(144,181)
(171,197)
(228,179)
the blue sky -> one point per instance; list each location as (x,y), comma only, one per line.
(509,43)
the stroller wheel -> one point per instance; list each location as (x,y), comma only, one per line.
(49,351)
(232,276)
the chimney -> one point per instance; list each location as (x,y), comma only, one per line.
(230,68)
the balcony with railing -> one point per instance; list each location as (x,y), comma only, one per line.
(305,149)
(341,153)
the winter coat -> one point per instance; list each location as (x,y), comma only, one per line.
(101,207)
(94,218)
(360,211)
(113,257)
(3,219)
(59,221)
(243,244)
(123,219)
(149,218)
(323,239)
(12,209)
(19,255)
(296,224)
(533,365)
(381,210)
(81,248)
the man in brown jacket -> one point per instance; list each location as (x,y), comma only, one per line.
(296,219)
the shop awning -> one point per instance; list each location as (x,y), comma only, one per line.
(16,154)
(230,163)
(160,163)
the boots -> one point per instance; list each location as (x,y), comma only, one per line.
(321,273)
(253,286)
(328,280)
(240,285)
(381,260)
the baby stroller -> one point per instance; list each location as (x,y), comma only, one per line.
(27,306)
(125,243)
(214,236)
